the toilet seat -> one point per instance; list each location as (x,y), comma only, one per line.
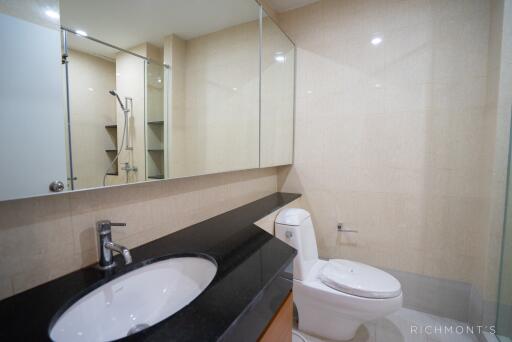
(359,279)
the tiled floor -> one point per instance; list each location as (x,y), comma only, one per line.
(397,327)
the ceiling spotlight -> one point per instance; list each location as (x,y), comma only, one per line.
(376,41)
(81,33)
(52,14)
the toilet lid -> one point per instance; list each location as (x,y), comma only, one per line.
(359,279)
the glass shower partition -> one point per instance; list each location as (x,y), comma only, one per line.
(504,305)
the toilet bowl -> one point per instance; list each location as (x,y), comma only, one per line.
(333,297)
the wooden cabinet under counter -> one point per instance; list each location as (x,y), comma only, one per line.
(280,327)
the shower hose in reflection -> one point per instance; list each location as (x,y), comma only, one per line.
(125,128)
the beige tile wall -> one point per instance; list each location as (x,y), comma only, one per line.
(46,237)
(393,140)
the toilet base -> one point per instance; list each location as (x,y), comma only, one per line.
(333,314)
(336,328)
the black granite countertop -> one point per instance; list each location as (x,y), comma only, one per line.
(250,262)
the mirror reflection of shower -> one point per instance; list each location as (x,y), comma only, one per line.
(113,139)
(124,140)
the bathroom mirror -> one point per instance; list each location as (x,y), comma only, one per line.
(277,95)
(172,89)
(215,94)
(188,83)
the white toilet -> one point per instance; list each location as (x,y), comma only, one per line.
(334,297)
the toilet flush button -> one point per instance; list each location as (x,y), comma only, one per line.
(288,234)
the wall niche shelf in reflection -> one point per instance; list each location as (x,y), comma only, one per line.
(111,130)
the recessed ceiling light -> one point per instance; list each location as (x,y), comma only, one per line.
(310,92)
(90,89)
(81,33)
(235,89)
(52,14)
(159,80)
(376,41)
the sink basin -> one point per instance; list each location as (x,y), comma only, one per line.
(134,301)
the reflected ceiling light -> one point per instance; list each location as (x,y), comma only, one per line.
(52,14)
(310,91)
(376,41)
(90,89)
(159,80)
(81,33)
(235,89)
(378,85)
(279,57)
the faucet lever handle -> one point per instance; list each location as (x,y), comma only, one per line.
(103,226)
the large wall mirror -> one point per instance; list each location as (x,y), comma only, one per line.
(124,91)
(277,95)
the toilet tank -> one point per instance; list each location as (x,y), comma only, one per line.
(294,226)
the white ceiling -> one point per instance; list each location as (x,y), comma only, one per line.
(127,23)
(286,5)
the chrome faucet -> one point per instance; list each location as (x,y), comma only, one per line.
(106,247)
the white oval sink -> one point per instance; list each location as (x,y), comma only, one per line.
(134,301)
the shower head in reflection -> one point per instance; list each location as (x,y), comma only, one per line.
(114,93)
